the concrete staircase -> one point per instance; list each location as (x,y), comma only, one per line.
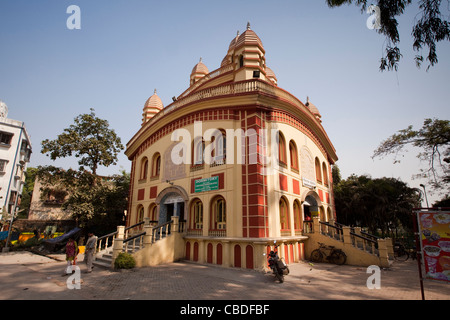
(361,249)
(103,260)
(152,246)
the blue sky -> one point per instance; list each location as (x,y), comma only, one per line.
(125,49)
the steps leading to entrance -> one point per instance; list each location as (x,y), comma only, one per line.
(104,260)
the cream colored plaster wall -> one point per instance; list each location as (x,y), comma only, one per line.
(232,186)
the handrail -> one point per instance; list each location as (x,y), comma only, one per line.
(363,237)
(100,240)
(368,235)
(162,230)
(134,225)
(134,237)
(107,235)
(368,244)
(333,231)
(140,244)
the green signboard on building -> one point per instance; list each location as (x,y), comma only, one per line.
(207,184)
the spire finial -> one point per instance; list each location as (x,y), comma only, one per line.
(200,59)
(248,25)
(154,91)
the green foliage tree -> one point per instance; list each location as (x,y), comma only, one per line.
(336,174)
(383,204)
(434,140)
(27,192)
(431,28)
(89,139)
(98,207)
(95,202)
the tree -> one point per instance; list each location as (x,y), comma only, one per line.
(434,139)
(98,206)
(30,176)
(336,174)
(383,204)
(89,139)
(427,31)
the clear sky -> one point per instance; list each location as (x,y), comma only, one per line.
(49,74)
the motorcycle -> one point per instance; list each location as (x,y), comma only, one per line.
(278,266)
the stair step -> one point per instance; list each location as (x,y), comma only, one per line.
(102,264)
(104,259)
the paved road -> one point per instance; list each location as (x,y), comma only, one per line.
(26,276)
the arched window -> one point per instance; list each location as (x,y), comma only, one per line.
(281,150)
(220,146)
(153,213)
(140,214)
(297,215)
(325,175)
(196,214)
(156,165)
(218,214)
(144,169)
(318,171)
(329,214)
(284,214)
(293,154)
(198,148)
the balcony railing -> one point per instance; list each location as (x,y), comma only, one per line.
(234,88)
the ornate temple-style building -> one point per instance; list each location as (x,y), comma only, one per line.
(235,160)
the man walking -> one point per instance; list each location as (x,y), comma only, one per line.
(90,247)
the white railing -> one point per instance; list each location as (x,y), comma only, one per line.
(209,76)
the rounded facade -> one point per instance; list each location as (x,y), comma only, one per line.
(239,160)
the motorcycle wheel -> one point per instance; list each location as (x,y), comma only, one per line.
(280,277)
(316,256)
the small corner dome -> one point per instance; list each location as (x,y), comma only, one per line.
(313,108)
(154,102)
(233,42)
(271,75)
(198,72)
(152,106)
(200,68)
(249,37)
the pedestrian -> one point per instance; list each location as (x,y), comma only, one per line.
(71,254)
(91,245)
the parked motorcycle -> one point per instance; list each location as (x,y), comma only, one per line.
(278,266)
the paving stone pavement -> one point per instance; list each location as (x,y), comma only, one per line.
(26,276)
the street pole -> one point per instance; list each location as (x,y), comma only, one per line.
(13,213)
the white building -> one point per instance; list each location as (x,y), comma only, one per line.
(15,152)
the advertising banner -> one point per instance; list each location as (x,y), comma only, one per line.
(434,230)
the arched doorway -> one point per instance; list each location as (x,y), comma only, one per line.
(311,203)
(172,201)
